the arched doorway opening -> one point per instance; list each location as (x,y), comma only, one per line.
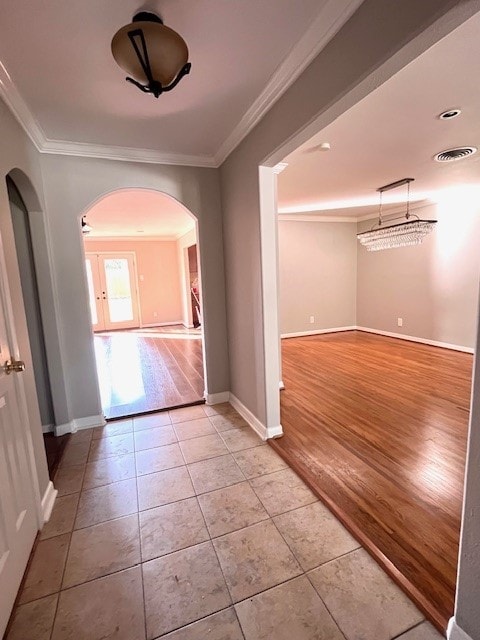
(143,277)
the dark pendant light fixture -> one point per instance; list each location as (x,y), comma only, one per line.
(154,56)
(392,236)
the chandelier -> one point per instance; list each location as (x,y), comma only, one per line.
(154,56)
(402,234)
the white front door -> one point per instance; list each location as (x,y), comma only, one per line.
(18,517)
(112,290)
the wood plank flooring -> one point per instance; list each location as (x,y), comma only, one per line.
(141,371)
(378,427)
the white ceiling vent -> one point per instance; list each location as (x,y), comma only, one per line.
(458,153)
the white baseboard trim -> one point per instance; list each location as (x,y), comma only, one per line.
(217,398)
(454,632)
(80,423)
(433,343)
(161,324)
(281,385)
(264,432)
(48,501)
(48,428)
(315,332)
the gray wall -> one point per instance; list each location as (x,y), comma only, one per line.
(433,286)
(72,185)
(18,153)
(357,60)
(318,275)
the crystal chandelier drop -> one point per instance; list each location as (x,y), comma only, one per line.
(403,234)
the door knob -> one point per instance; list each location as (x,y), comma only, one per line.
(14,366)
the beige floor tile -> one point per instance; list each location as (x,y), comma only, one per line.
(192,587)
(187,413)
(259,461)
(424,631)
(171,528)
(157,437)
(106,503)
(102,549)
(157,489)
(231,508)
(291,611)
(110,607)
(116,428)
(314,535)
(159,459)
(69,479)
(363,600)
(194,428)
(218,409)
(109,470)
(215,473)
(34,620)
(239,439)
(228,421)
(62,517)
(220,626)
(75,454)
(255,559)
(151,421)
(83,435)
(203,448)
(282,491)
(45,572)
(110,447)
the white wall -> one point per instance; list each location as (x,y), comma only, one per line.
(318,275)
(433,287)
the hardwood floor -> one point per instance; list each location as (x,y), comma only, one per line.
(378,427)
(148,370)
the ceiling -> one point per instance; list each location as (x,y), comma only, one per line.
(58,74)
(394,133)
(139,214)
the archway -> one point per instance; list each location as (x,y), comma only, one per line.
(143,279)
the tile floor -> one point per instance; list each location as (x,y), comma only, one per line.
(186,526)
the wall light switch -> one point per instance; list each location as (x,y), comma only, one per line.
(312,319)
(400,322)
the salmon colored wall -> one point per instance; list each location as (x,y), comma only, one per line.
(157,262)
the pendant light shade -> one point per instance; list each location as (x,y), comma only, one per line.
(154,56)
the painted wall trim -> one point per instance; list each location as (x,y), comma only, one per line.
(48,428)
(48,501)
(260,429)
(454,632)
(78,424)
(162,324)
(139,238)
(314,332)
(217,398)
(433,343)
(301,217)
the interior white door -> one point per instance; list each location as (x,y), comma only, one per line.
(18,518)
(112,291)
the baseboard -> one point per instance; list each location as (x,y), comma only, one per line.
(281,385)
(432,343)
(161,324)
(315,332)
(80,423)
(48,501)
(217,398)
(48,428)
(454,632)
(264,432)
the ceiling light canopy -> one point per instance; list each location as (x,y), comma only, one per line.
(402,234)
(154,56)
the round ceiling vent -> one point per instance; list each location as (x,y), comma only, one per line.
(451,113)
(458,153)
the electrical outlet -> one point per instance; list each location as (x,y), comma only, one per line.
(312,319)
(400,322)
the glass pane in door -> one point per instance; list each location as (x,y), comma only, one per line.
(91,292)
(119,293)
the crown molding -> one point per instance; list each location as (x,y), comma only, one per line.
(331,18)
(124,154)
(89,238)
(292,217)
